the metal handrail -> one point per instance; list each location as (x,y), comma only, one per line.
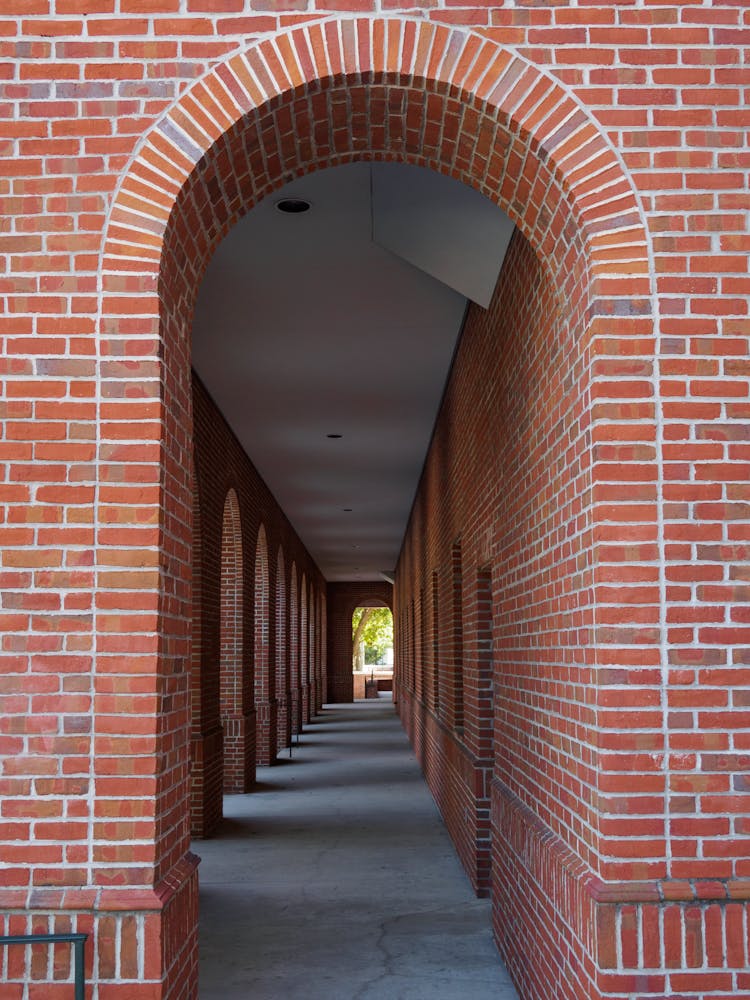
(77,940)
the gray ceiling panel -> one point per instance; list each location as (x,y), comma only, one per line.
(304,327)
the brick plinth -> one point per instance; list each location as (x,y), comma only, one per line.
(305,705)
(142,942)
(659,938)
(341,689)
(296,711)
(207,780)
(318,695)
(240,752)
(267,731)
(285,710)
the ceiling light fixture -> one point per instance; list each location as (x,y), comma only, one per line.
(293,206)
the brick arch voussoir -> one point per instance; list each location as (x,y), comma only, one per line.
(368,601)
(556,144)
(261,565)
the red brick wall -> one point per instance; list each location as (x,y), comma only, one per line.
(511,561)
(480,457)
(232,494)
(342,601)
(615,136)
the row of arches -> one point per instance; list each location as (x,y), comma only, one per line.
(262,678)
(460,104)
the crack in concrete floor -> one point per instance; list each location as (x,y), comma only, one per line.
(337,880)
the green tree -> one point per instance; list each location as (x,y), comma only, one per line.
(372,629)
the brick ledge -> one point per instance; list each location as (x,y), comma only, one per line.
(106,900)
(658,891)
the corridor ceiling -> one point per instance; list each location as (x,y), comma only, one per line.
(343,320)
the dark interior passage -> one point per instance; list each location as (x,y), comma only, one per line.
(337,879)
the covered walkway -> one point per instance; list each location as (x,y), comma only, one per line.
(337,880)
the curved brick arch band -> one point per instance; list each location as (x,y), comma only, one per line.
(513,132)
(320,95)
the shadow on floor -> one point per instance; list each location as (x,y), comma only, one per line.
(336,880)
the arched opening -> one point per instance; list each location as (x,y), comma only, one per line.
(372,651)
(456,104)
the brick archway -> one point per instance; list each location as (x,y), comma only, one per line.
(317,96)
(373,600)
(344,631)
(342,600)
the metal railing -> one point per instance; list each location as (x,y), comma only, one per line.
(77,940)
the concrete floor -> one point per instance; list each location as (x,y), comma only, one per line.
(336,880)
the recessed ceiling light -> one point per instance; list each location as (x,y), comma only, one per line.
(293,206)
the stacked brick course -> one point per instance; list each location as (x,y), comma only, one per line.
(613,525)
